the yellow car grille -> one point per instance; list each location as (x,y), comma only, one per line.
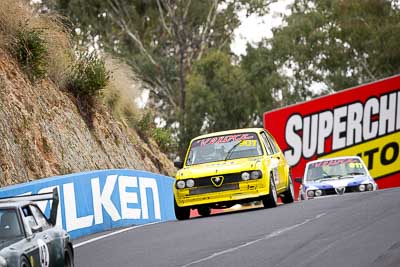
(211,189)
(228,178)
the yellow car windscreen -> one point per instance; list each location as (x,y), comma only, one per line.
(224,147)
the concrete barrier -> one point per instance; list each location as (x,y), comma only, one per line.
(96,201)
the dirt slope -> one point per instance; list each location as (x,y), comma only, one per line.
(42,133)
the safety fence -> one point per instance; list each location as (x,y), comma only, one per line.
(96,201)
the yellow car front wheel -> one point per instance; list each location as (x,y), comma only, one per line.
(271,200)
(288,195)
(181,213)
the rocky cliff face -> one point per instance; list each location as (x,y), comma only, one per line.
(43,134)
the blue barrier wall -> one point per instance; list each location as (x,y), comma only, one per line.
(95,201)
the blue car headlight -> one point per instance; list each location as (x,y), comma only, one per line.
(315,193)
(318,193)
(361,187)
(370,187)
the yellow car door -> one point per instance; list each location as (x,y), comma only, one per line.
(282,165)
(280,161)
(274,159)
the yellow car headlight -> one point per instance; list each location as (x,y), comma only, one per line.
(255,175)
(180,184)
(245,176)
(190,183)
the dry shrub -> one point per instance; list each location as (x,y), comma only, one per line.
(59,46)
(13,14)
(120,95)
(123,80)
(122,90)
(18,16)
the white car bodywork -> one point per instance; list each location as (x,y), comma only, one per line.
(335,176)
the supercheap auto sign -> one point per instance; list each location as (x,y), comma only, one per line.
(363,121)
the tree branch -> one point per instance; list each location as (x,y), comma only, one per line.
(364,65)
(212,14)
(185,13)
(162,18)
(124,27)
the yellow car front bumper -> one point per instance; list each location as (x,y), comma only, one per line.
(232,192)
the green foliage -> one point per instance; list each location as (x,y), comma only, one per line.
(146,128)
(30,50)
(219,97)
(88,75)
(145,125)
(338,44)
(182,49)
(266,81)
(164,139)
(142,123)
(160,39)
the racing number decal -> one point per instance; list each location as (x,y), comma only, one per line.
(356,165)
(248,143)
(43,253)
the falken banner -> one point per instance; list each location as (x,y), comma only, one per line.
(363,121)
(95,201)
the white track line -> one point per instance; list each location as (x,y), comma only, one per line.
(271,235)
(111,234)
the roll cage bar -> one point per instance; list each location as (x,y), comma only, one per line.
(39,197)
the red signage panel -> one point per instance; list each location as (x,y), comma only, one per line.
(363,121)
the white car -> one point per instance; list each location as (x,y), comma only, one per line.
(335,176)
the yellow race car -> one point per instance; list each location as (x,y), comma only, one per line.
(230,167)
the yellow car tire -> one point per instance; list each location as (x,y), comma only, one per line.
(181,213)
(288,195)
(271,200)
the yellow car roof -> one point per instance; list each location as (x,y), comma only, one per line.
(254,130)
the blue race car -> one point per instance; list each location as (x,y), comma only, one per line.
(335,176)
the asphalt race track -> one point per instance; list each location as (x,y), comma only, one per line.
(359,229)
